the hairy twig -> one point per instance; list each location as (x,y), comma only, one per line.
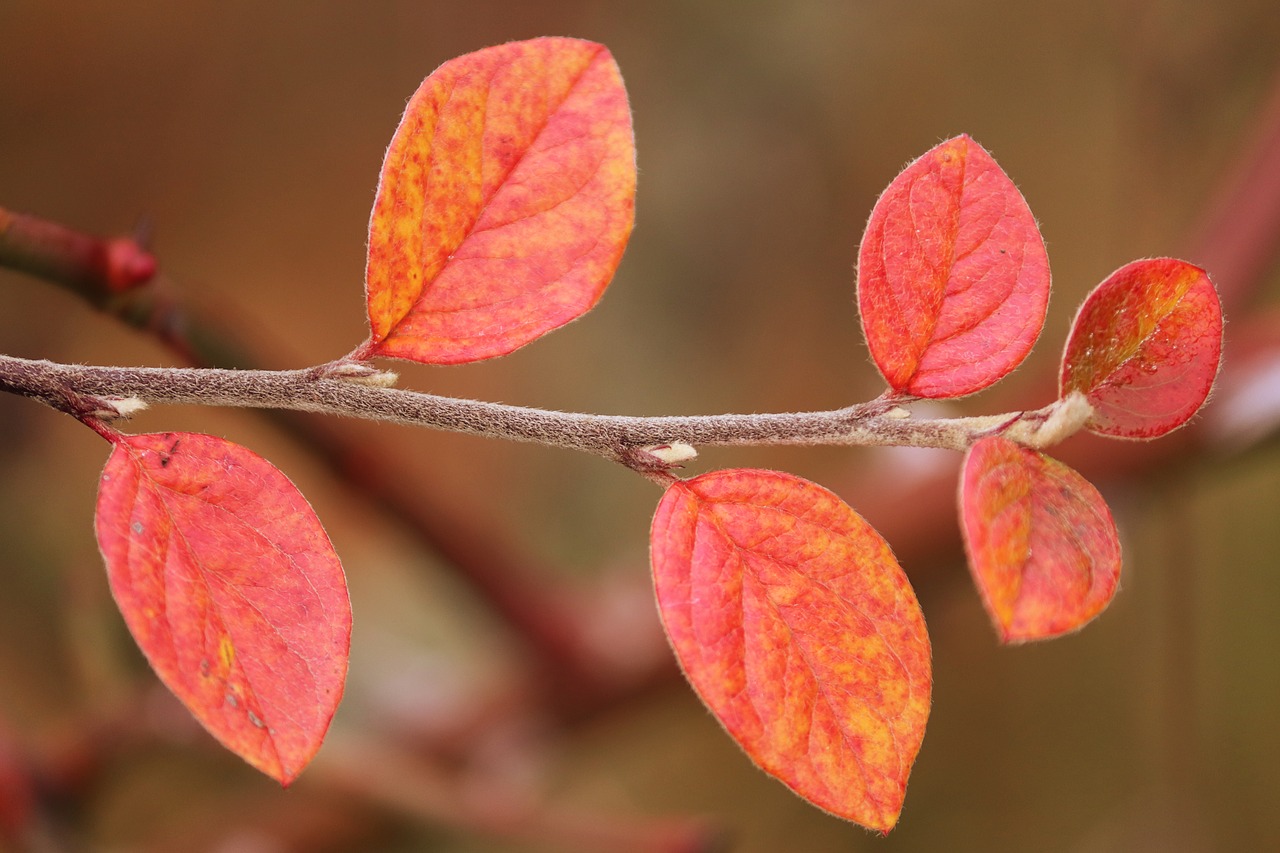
(642,443)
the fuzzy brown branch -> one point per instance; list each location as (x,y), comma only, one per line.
(637,442)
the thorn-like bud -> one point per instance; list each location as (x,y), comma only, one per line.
(672,454)
(897,413)
(126,264)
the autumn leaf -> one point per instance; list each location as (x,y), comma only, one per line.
(797,627)
(232,590)
(505,202)
(1145,347)
(1042,545)
(953,278)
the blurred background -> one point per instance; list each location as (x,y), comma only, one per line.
(542,713)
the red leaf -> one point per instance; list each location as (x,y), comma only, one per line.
(505,202)
(953,278)
(1042,546)
(1145,348)
(231,588)
(797,627)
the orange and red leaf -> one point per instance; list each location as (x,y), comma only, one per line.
(953,277)
(1145,348)
(232,590)
(505,202)
(1042,545)
(797,627)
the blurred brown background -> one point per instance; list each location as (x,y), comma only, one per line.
(250,136)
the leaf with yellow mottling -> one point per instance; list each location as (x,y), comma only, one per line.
(232,590)
(798,629)
(1042,545)
(1145,348)
(505,202)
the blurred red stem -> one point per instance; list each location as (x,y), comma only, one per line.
(1237,240)
(91,267)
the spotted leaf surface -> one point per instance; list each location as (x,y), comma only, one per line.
(1042,545)
(798,629)
(505,202)
(953,278)
(232,590)
(1145,347)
